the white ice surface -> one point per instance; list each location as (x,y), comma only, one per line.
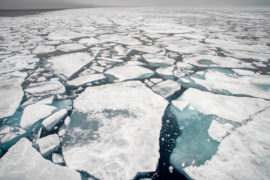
(48,144)
(45,88)
(11,94)
(232,108)
(166,88)
(129,72)
(242,155)
(70,47)
(22,161)
(81,80)
(69,64)
(129,115)
(35,112)
(54,119)
(244,85)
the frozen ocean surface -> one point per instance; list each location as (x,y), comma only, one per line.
(135,93)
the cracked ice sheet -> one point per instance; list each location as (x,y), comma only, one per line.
(22,161)
(242,155)
(126,114)
(69,64)
(226,114)
(232,108)
(224,82)
(11,94)
(129,72)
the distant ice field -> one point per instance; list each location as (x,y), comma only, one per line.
(135,93)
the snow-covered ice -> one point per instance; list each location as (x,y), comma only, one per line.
(123,73)
(166,88)
(35,112)
(129,116)
(22,161)
(69,64)
(45,88)
(54,119)
(48,144)
(242,155)
(81,80)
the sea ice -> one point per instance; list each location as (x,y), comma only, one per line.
(54,119)
(46,88)
(57,158)
(33,113)
(11,94)
(166,88)
(70,47)
(69,64)
(231,83)
(122,115)
(158,61)
(22,161)
(48,144)
(9,136)
(123,73)
(242,155)
(81,80)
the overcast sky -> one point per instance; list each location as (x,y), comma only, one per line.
(44,4)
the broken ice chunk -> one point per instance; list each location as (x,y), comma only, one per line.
(158,61)
(69,64)
(54,119)
(166,88)
(41,49)
(22,161)
(218,131)
(64,127)
(57,158)
(45,88)
(85,79)
(48,144)
(35,112)
(129,72)
(123,146)
(9,136)
(70,47)
(11,94)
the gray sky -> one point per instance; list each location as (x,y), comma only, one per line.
(47,4)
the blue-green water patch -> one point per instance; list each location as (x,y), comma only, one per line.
(265,87)
(194,146)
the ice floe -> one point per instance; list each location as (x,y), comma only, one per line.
(45,88)
(70,47)
(242,155)
(35,112)
(227,82)
(69,64)
(81,80)
(166,88)
(122,119)
(22,161)
(129,72)
(9,136)
(48,144)
(11,94)
(54,119)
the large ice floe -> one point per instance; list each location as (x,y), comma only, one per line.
(228,82)
(215,131)
(69,64)
(22,161)
(114,131)
(122,73)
